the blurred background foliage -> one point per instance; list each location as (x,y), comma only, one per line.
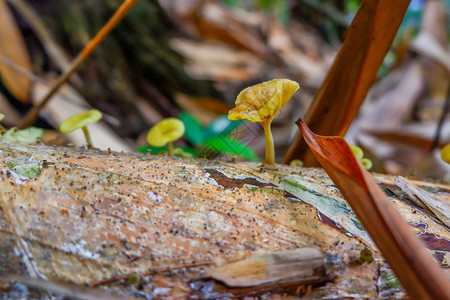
(189,59)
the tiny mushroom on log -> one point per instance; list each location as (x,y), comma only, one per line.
(166,132)
(359,154)
(2,116)
(81,120)
(445,153)
(261,103)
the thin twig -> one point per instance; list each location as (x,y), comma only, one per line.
(30,76)
(31,117)
(151,272)
(20,70)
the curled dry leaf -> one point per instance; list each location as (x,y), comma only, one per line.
(413,265)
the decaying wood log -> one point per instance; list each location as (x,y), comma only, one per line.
(89,217)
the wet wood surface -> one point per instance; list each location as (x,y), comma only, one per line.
(89,217)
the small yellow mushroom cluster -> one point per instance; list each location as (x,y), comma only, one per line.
(296,163)
(2,116)
(359,153)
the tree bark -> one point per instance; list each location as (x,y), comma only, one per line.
(91,217)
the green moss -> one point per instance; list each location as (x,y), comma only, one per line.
(389,280)
(366,256)
(25,167)
(134,279)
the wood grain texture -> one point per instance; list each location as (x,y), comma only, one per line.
(90,216)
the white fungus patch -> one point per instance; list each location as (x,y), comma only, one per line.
(155,196)
(80,250)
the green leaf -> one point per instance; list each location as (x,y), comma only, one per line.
(194,130)
(224,144)
(221,126)
(28,135)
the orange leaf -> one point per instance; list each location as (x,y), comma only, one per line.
(337,102)
(415,268)
(12,47)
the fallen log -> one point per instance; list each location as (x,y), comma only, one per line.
(155,226)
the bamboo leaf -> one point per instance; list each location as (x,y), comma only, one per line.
(415,268)
(337,102)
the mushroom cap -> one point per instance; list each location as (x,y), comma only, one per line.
(367,163)
(445,153)
(168,130)
(357,151)
(2,116)
(80,120)
(261,102)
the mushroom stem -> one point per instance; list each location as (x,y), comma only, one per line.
(87,136)
(270,149)
(170,146)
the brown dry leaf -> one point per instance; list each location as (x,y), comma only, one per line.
(54,51)
(337,102)
(281,43)
(439,208)
(427,45)
(400,135)
(395,106)
(298,266)
(12,47)
(213,21)
(193,106)
(218,61)
(415,268)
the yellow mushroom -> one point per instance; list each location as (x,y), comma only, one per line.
(81,120)
(2,116)
(166,132)
(296,163)
(367,163)
(359,153)
(261,103)
(445,153)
